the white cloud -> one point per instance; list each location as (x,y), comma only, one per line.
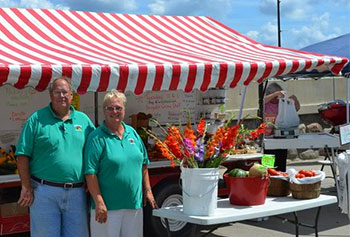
(296,10)
(215,8)
(266,35)
(31,4)
(317,31)
(253,34)
(116,6)
(157,7)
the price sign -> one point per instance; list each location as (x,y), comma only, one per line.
(344,132)
(268,160)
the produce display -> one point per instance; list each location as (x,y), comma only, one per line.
(248,187)
(302,184)
(257,170)
(8,164)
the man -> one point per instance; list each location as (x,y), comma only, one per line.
(50,164)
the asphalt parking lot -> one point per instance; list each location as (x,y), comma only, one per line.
(331,221)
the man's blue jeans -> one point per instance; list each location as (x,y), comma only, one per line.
(58,212)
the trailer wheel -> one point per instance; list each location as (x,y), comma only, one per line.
(167,195)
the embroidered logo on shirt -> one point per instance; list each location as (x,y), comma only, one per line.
(131,141)
(78,127)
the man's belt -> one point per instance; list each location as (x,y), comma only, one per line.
(61,185)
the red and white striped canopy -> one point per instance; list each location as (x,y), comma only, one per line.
(102,51)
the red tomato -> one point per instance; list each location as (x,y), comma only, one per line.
(308,173)
(299,176)
(302,172)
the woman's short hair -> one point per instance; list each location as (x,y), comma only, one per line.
(273,87)
(68,80)
(114,94)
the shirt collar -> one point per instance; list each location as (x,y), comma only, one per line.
(106,130)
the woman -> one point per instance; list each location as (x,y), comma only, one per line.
(116,172)
(273,93)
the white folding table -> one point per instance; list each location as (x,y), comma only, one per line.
(226,213)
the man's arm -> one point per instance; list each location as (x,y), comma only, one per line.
(26,197)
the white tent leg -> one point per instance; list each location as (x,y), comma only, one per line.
(347,98)
(242,104)
(333,88)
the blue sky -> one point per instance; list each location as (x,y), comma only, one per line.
(303,22)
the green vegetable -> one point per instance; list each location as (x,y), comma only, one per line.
(238,173)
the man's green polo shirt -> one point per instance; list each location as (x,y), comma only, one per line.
(117,163)
(55,147)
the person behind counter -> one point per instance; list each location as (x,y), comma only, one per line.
(273,93)
(50,164)
(116,172)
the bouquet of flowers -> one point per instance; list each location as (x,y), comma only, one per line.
(192,148)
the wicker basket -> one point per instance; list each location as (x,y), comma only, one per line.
(278,187)
(305,191)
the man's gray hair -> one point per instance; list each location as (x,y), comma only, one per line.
(114,94)
(67,79)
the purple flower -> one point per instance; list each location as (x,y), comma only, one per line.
(199,151)
(188,146)
(217,150)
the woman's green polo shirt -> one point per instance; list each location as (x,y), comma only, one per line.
(117,163)
(55,147)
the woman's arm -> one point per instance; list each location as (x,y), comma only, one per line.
(94,189)
(269,97)
(147,190)
(296,102)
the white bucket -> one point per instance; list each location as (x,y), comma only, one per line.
(199,190)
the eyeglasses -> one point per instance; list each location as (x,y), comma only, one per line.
(112,108)
(59,92)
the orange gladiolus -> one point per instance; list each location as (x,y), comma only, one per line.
(189,133)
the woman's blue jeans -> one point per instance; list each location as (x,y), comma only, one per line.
(58,212)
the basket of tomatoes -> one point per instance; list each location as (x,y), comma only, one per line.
(306,184)
(279,183)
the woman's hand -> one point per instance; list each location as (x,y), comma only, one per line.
(148,197)
(296,102)
(101,213)
(279,94)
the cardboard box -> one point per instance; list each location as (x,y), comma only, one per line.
(12,209)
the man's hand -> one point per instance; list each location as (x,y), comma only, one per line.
(26,198)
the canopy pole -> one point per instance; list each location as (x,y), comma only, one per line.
(333,88)
(96,108)
(242,104)
(278,23)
